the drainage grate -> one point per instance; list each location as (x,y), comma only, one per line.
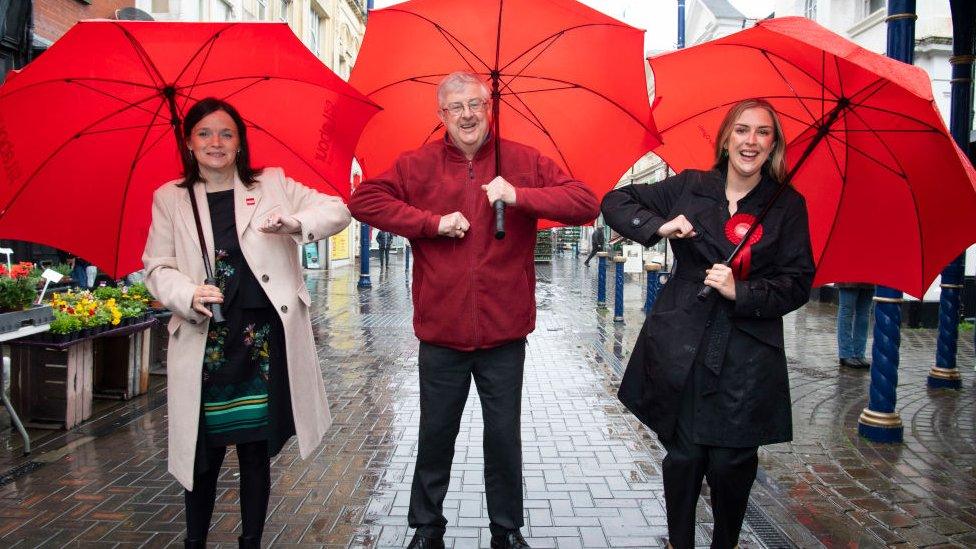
(765,531)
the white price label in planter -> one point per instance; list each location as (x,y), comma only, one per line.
(49,276)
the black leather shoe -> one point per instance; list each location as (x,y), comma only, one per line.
(509,540)
(248,542)
(422,542)
(864,363)
(195,543)
(854,363)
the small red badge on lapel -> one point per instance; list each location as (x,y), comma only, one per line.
(249,201)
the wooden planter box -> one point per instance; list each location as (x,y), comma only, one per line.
(52,386)
(121,365)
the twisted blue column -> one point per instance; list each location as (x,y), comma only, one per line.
(364,281)
(653,271)
(945,375)
(879,421)
(601,279)
(618,288)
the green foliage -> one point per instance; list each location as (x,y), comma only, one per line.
(62,269)
(139,290)
(64,323)
(16,294)
(107,292)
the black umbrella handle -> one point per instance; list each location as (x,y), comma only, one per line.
(215,308)
(499,219)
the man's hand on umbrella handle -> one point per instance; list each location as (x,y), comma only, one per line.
(204,295)
(679,227)
(453,225)
(720,277)
(277,223)
(499,189)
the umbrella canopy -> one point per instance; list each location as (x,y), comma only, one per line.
(890,195)
(572,80)
(87,130)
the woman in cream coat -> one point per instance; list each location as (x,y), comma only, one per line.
(253,380)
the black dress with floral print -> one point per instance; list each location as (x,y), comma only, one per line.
(245,385)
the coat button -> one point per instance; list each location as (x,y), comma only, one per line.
(265,278)
(757,313)
(635,221)
(311,236)
(284,308)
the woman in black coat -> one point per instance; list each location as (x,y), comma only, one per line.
(709,376)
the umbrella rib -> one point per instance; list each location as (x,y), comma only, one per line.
(196,79)
(858,150)
(119,99)
(901,172)
(537,121)
(205,44)
(147,62)
(559,34)
(730,103)
(242,88)
(573,85)
(791,88)
(109,130)
(299,157)
(546,133)
(56,151)
(181,89)
(128,183)
(901,115)
(71,80)
(444,32)
(415,79)
(529,63)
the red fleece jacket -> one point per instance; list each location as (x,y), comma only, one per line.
(474,292)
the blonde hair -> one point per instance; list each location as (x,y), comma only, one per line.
(775,165)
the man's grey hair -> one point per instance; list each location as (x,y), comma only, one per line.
(457,80)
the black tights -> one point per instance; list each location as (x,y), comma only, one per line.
(255,489)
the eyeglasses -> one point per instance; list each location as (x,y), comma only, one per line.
(476,105)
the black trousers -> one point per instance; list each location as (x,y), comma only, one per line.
(593,252)
(255,489)
(445,379)
(730,473)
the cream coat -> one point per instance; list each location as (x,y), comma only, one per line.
(174,268)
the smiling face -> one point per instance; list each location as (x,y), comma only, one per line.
(750,142)
(468,126)
(215,142)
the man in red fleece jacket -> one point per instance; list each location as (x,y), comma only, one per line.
(473,295)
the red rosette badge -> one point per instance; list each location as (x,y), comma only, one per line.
(735,229)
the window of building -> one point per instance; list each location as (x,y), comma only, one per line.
(314,26)
(810,9)
(871,6)
(225,11)
(262,9)
(160,6)
(284,11)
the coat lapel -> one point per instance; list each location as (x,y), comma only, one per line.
(186,213)
(708,217)
(246,203)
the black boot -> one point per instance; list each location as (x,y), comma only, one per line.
(509,540)
(244,542)
(419,541)
(195,543)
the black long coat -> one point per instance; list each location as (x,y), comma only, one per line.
(735,349)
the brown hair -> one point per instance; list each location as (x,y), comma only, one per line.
(775,165)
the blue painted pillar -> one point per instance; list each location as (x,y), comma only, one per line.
(945,374)
(653,274)
(879,421)
(618,288)
(681,24)
(601,280)
(364,281)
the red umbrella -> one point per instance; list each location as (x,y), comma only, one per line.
(571,79)
(86,130)
(888,191)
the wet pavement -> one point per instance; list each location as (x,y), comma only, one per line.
(592,472)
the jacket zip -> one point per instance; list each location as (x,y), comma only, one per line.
(471,267)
